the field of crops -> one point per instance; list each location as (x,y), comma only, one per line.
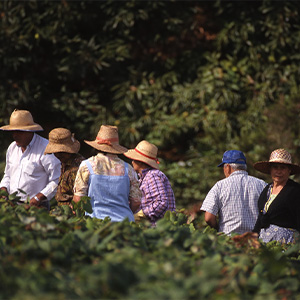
(59,256)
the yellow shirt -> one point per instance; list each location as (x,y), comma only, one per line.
(269,202)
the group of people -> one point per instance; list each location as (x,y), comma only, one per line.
(38,169)
(240,203)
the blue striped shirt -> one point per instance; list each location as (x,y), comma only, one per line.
(234,200)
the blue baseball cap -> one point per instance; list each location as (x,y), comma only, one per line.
(233,157)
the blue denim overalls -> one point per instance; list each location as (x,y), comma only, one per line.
(109,195)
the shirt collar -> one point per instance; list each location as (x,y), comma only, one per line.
(238,172)
(108,154)
(31,142)
(144,172)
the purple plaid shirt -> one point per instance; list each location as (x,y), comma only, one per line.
(158,196)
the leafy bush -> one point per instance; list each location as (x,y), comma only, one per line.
(58,256)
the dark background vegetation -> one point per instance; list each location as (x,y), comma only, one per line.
(196,78)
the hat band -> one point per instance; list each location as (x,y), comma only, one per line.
(154,158)
(106,141)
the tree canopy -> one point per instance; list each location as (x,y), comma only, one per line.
(196,78)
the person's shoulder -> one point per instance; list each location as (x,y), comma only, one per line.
(12,146)
(40,140)
(258,180)
(129,166)
(155,172)
(292,183)
(78,158)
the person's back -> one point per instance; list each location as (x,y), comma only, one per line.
(233,199)
(237,202)
(110,182)
(65,147)
(154,182)
(111,186)
(157,196)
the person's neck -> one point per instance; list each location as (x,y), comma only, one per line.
(277,186)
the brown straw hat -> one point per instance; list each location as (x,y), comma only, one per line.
(279,156)
(21,120)
(144,152)
(107,140)
(62,140)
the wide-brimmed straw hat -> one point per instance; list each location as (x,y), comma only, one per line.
(62,140)
(21,120)
(279,156)
(107,140)
(144,152)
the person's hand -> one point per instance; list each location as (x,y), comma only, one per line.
(36,200)
(4,196)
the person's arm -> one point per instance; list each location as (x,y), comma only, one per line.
(66,184)
(211,220)
(52,167)
(135,194)
(37,199)
(81,182)
(260,205)
(5,182)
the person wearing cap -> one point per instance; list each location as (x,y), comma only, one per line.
(231,204)
(110,182)
(65,147)
(279,202)
(28,171)
(157,193)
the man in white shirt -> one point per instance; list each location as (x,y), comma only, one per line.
(28,171)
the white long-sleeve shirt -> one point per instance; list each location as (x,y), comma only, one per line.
(32,171)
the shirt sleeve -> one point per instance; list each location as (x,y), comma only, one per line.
(211,201)
(81,184)
(135,193)
(156,197)
(6,178)
(52,167)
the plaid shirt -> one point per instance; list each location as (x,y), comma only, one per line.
(234,200)
(158,196)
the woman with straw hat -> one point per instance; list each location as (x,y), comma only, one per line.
(158,196)
(111,183)
(65,147)
(279,202)
(28,171)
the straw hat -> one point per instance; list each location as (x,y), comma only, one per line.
(21,120)
(107,140)
(279,156)
(144,152)
(62,140)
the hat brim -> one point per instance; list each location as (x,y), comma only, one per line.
(113,148)
(265,167)
(132,154)
(55,148)
(31,128)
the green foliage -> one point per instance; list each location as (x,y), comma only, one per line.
(75,257)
